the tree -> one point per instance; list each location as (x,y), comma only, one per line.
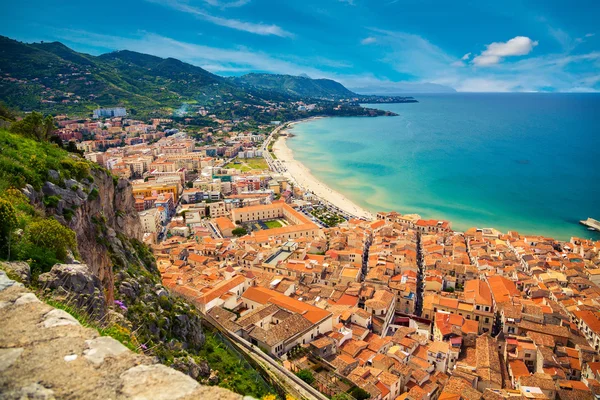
(359,393)
(306,375)
(239,232)
(8,221)
(5,113)
(35,126)
(71,147)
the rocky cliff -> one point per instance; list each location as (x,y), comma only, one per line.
(96,208)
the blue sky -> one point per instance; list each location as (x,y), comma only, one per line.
(369,45)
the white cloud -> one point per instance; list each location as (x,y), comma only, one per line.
(466,56)
(579,89)
(349,2)
(368,40)
(563,38)
(485,85)
(495,52)
(412,54)
(238,59)
(590,34)
(425,63)
(256,28)
(227,4)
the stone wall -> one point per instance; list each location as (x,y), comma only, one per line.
(45,353)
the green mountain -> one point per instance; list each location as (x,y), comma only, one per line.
(297,86)
(51,77)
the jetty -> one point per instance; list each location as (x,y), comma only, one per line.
(591,223)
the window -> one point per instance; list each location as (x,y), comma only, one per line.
(487,320)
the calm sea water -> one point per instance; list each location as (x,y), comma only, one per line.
(528,162)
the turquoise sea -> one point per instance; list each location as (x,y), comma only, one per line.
(521,161)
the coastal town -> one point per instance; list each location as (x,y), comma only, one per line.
(387,307)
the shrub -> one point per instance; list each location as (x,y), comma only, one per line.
(51,201)
(306,375)
(46,242)
(239,232)
(81,169)
(359,393)
(93,194)
(68,214)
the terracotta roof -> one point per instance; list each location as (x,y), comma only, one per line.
(263,295)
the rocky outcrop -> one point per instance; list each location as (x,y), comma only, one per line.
(75,284)
(157,317)
(20,268)
(190,367)
(46,354)
(97,208)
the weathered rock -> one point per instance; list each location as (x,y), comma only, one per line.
(213,378)
(71,183)
(54,175)
(69,198)
(204,369)
(70,259)
(6,282)
(35,391)
(130,289)
(161,291)
(26,299)
(188,366)
(78,284)
(190,329)
(8,357)
(156,382)
(19,268)
(58,317)
(31,194)
(102,347)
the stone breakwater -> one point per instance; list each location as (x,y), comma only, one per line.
(45,353)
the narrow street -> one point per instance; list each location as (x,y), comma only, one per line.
(419,299)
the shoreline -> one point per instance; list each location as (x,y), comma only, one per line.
(301,175)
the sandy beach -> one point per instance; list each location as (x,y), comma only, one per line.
(299,173)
